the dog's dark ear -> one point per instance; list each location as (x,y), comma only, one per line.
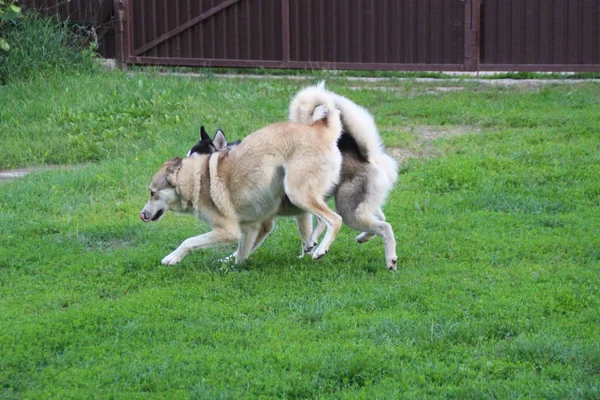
(173,166)
(203,134)
(220,142)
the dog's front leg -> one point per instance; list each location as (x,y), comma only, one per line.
(214,238)
(264,231)
(247,240)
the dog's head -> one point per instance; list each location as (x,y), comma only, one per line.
(206,145)
(163,193)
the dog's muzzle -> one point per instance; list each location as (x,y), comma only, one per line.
(145,218)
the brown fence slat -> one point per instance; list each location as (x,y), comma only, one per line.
(504,30)
(561,12)
(422,29)
(589,28)
(285,28)
(572,28)
(547,38)
(472,22)
(518,31)
(532,31)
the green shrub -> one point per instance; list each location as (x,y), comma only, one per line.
(10,12)
(41,45)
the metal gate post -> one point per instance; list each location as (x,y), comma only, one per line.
(472,29)
(122,33)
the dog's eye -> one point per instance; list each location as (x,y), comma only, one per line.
(152,193)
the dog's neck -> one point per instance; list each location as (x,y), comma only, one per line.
(189,180)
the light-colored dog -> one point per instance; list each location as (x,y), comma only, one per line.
(367,173)
(238,192)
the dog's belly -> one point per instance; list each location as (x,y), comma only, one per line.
(259,206)
(260,197)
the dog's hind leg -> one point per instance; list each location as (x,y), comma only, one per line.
(315,235)
(305,227)
(364,237)
(333,224)
(370,224)
(216,237)
(319,209)
(306,185)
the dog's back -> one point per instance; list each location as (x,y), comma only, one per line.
(281,154)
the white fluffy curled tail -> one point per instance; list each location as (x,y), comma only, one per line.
(314,104)
(356,121)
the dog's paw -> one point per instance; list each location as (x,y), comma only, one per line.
(392,264)
(309,249)
(318,254)
(171,259)
(364,237)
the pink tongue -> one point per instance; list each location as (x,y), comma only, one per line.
(142,217)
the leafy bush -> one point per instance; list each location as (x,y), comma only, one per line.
(40,45)
(9,13)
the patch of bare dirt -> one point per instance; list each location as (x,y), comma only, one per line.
(444,89)
(435,90)
(10,174)
(425,136)
(401,155)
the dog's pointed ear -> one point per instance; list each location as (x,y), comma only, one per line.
(173,166)
(203,134)
(321,85)
(220,142)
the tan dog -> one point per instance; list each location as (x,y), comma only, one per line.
(238,192)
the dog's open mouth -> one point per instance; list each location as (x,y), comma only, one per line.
(158,215)
(155,218)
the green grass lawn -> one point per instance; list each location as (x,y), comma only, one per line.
(497,223)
